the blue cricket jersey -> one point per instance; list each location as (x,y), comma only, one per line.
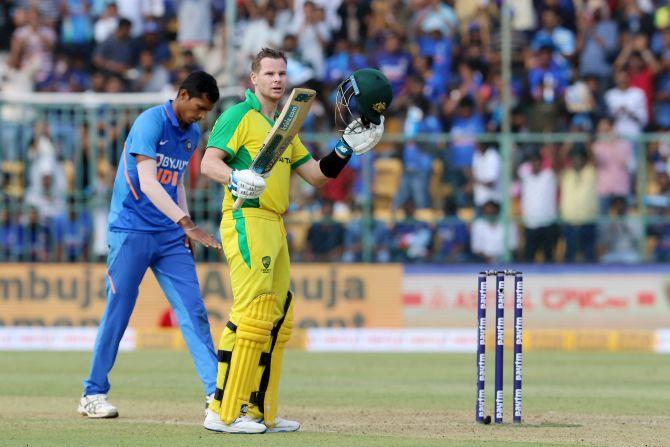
(155,133)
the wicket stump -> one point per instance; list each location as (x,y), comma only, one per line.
(501,277)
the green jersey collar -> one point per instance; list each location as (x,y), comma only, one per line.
(252,100)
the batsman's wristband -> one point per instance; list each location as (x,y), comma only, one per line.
(343,149)
(332,164)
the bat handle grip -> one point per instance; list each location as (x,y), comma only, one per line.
(238,203)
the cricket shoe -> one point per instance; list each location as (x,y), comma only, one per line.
(282,425)
(96,406)
(243,424)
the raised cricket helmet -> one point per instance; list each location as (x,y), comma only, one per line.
(366,94)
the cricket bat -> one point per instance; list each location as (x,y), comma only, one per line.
(280,136)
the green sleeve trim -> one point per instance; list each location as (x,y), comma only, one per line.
(226,126)
(240,160)
(301,161)
(228,151)
(242,242)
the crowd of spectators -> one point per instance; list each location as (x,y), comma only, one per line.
(600,67)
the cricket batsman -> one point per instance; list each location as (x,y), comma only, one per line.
(254,238)
(149,226)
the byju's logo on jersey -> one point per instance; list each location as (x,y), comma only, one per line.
(163,161)
(266,260)
(169,169)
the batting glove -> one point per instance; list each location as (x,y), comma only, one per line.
(246,184)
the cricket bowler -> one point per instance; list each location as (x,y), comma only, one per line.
(150,227)
(254,238)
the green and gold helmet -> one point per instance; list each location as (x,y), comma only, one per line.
(366,94)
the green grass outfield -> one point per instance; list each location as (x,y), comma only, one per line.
(346,400)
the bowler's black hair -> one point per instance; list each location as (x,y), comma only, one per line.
(200,83)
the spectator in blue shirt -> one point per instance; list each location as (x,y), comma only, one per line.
(547,82)
(36,238)
(660,44)
(565,9)
(434,82)
(11,235)
(68,75)
(76,27)
(73,235)
(466,126)
(465,82)
(562,38)
(418,155)
(343,62)
(437,13)
(433,61)
(437,46)
(98,6)
(394,62)
(452,237)
(599,43)
(411,238)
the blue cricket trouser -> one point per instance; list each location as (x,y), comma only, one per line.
(130,254)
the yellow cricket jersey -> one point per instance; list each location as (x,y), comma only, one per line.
(240,131)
